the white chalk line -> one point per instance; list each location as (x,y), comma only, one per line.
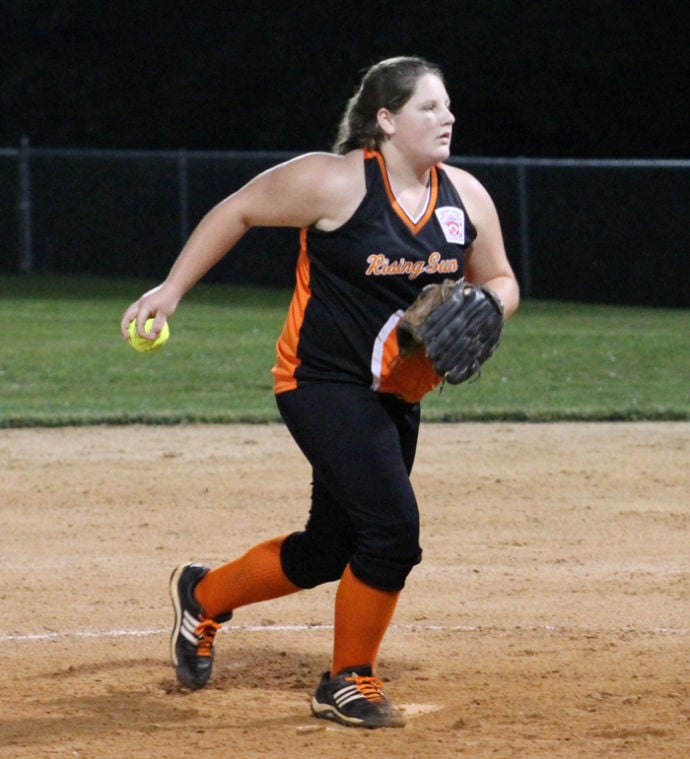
(62,635)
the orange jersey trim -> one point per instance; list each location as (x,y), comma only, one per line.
(433,194)
(287,360)
(409,377)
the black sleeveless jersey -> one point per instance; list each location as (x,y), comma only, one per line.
(353,284)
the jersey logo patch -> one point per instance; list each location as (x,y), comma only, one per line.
(452,221)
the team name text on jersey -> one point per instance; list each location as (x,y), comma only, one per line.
(380,266)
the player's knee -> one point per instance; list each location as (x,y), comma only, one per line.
(387,557)
(308,563)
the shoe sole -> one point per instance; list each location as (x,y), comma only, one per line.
(328,711)
(177,606)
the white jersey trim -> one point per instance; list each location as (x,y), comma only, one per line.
(379,345)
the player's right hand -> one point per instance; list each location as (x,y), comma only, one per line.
(159,304)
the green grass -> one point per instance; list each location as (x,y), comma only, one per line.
(64,363)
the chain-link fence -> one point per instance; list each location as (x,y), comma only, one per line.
(609,231)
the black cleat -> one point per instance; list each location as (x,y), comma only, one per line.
(355,699)
(191,643)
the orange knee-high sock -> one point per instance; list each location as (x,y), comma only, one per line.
(256,576)
(362,616)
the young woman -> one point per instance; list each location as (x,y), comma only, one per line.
(380,218)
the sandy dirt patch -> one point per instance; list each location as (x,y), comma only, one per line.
(549,617)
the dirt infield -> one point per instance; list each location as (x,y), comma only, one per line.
(549,617)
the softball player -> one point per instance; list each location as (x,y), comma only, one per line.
(380,218)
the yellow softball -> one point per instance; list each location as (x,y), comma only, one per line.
(144,345)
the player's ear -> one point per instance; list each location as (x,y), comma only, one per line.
(386,122)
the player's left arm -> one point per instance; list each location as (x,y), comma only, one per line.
(486,261)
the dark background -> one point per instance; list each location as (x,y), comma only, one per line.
(130,85)
(562,78)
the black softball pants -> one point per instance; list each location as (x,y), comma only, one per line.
(361,446)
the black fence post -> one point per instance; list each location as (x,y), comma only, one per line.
(26,254)
(525,244)
(183,184)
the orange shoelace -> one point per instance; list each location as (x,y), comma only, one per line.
(370,687)
(206,632)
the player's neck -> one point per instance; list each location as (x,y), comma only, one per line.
(403,175)
(409,187)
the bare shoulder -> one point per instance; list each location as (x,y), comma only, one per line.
(472,191)
(330,162)
(327,171)
(313,188)
(339,184)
